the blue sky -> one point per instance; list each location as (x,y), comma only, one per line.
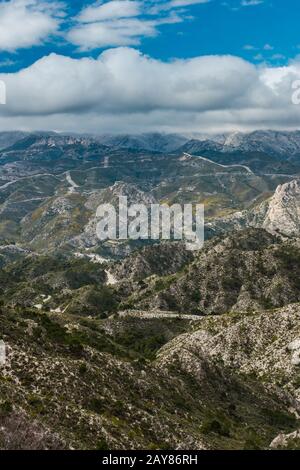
(142,65)
(256,30)
(220,27)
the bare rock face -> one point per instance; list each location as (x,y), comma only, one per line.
(282,441)
(278,215)
(283,214)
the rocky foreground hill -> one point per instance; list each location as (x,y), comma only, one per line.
(224,382)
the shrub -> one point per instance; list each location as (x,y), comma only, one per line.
(215,426)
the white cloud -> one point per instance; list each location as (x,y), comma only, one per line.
(115,23)
(123,80)
(124,23)
(25,23)
(100,11)
(7,63)
(161,5)
(278,57)
(125,90)
(251,3)
(242,4)
(184,3)
(268,47)
(119,32)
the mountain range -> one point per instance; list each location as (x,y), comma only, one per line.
(134,345)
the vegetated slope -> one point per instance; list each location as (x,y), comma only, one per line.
(166,276)
(227,381)
(57,283)
(244,271)
(61,281)
(93,384)
(161,259)
(264,345)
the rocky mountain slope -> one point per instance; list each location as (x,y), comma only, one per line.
(121,391)
(220,278)
(279,214)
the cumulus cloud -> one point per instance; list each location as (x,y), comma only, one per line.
(25,23)
(184,3)
(251,3)
(124,80)
(124,89)
(113,9)
(117,23)
(104,23)
(161,5)
(117,32)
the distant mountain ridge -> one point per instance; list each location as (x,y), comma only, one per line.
(270,142)
(263,141)
(9,138)
(154,142)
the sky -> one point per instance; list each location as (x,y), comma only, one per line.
(114,66)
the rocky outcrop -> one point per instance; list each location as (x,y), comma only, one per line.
(278,215)
(283,214)
(284,441)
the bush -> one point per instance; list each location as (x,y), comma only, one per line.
(102,445)
(97,405)
(5,408)
(215,426)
